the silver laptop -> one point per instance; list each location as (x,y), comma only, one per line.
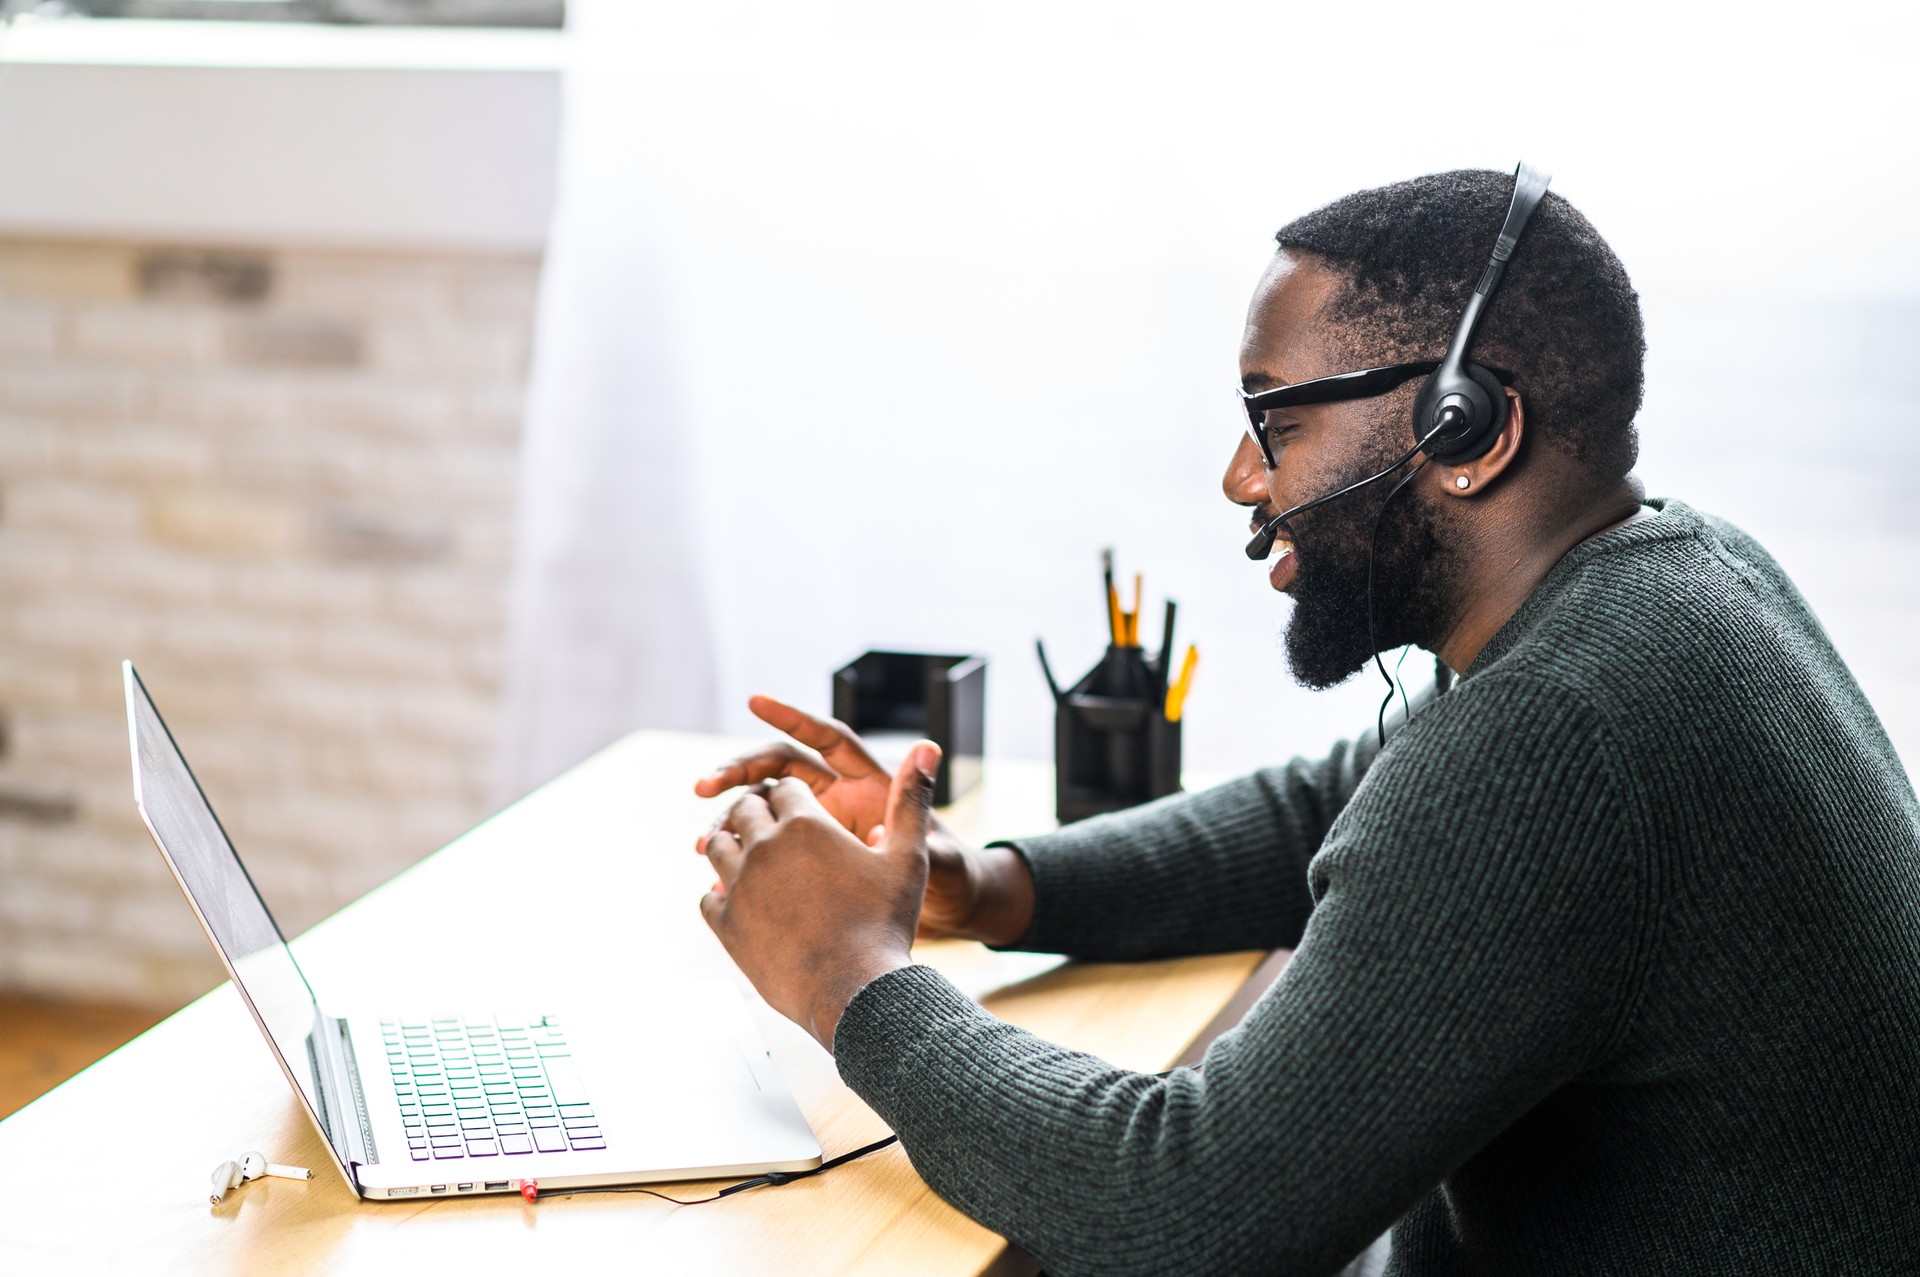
(433,1104)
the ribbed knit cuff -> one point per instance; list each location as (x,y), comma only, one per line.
(886,1028)
(1068,865)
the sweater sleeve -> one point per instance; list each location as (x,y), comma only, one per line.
(1472,950)
(1224,868)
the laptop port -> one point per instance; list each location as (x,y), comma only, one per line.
(493,1184)
(401,1192)
(439,1188)
(466,1188)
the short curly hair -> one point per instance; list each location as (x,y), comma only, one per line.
(1566,320)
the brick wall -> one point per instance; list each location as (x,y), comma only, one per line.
(281,482)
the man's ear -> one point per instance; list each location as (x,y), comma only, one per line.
(1470,478)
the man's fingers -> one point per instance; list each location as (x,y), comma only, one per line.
(726,855)
(839,746)
(767,763)
(789,797)
(910,800)
(712,907)
(750,819)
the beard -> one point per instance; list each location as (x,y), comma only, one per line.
(1415,582)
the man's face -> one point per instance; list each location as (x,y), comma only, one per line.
(1319,449)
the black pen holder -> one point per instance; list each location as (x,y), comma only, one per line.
(890,697)
(1112,744)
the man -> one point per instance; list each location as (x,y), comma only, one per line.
(1608,961)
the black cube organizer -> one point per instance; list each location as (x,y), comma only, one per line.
(1113,746)
(916,694)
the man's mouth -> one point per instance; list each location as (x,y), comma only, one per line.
(1282,563)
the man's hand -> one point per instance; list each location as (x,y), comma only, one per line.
(970,894)
(850,785)
(810,912)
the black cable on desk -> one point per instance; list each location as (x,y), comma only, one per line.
(758,1181)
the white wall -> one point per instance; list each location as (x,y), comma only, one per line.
(959,295)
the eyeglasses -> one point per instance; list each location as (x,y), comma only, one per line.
(1367,383)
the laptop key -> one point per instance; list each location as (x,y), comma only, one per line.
(567,1086)
(515,1144)
(482,1148)
(549,1141)
(583,1146)
(442,1152)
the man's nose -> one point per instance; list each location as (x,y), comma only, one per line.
(1245,482)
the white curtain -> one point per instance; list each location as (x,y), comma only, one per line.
(869,324)
(609,624)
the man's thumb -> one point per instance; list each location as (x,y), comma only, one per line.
(910,800)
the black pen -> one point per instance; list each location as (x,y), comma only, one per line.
(1166,646)
(1047,669)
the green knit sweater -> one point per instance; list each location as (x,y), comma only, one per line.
(1609,962)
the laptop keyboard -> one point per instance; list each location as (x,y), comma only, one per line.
(488,1087)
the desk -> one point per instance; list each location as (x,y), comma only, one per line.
(595,876)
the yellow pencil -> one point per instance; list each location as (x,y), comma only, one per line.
(1114,630)
(1177,694)
(1133,617)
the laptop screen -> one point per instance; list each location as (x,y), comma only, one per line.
(235,917)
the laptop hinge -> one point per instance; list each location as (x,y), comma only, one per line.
(343,1103)
(362,1128)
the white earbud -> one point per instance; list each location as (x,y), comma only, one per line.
(226,1177)
(250,1166)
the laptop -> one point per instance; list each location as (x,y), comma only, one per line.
(452,1102)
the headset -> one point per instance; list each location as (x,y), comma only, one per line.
(1462,407)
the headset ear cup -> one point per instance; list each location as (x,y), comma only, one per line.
(1423,409)
(1488,413)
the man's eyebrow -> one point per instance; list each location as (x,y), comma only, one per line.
(1254,382)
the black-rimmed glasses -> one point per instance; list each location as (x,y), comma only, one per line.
(1364,384)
